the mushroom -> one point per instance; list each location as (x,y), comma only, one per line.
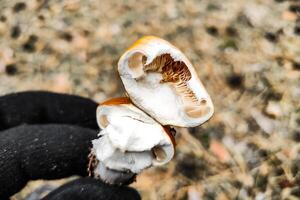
(161,81)
(163,90)
(129,142)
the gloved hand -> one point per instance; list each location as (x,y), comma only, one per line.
(45,135)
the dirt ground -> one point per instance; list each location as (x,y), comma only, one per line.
(246,52)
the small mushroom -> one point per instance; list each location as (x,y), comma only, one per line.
(129,142)
(161,81)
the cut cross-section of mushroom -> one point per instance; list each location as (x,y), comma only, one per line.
(129,142)
(161,81)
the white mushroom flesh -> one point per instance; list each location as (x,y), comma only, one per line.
(130,141)
(161,81)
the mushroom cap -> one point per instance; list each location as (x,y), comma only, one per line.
(160,80)
(130,140)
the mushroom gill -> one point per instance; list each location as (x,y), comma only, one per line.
(177,73)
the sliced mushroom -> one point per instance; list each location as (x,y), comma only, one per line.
(129,142)
(161,81)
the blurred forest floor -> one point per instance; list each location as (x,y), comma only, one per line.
(246,52)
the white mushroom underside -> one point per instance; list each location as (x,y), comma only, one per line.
(165,101)
(161,100)
(114,159)
(156,98)
(127,141)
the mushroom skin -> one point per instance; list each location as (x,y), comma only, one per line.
(129,142)
(161,81)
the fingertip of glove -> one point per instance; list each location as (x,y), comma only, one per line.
(91,189)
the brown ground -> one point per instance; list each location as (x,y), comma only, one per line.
(246,52)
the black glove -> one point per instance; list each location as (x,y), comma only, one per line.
(46,108)
(48,136)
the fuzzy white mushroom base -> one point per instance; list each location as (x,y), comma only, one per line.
(129,142)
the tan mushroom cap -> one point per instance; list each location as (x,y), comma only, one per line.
(160,80)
